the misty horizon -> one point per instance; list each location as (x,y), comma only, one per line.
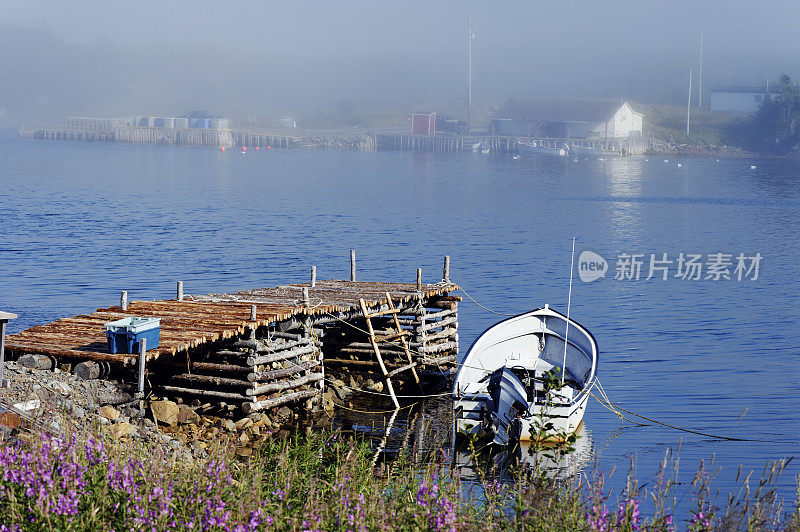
(253,60)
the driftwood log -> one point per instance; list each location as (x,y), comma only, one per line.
(279,400)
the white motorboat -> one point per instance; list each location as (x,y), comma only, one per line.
(539,147)
(500,389)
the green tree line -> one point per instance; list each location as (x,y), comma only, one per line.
(775,126)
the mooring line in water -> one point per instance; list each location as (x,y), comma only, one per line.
(483,307)
(376,411)
(707,435)
(373,392)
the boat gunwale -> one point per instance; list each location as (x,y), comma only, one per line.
(595,352)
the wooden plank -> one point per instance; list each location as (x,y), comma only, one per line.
(411,364)
(198,320)
(378,354)
(402,368)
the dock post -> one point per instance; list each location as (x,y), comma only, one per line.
(142,360)
(313,276)
(3,354)
(419,279)
(352,265)
(306,299)
(446,269)
(253,315)
(4,317)
(180,291)
(123,300)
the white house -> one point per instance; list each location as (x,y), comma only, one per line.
(624,123)
(738,98)
(575,119)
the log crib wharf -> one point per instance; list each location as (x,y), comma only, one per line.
(262,348)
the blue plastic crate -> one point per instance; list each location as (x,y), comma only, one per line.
(124,335)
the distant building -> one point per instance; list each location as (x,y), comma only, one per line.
(286,122)
(110,125)
(423,124)
(739,98)
(574,119)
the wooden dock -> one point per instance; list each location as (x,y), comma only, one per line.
(264,347)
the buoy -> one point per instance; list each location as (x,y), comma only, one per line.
(244,148)
(257,148)
(222,148)
(269,147)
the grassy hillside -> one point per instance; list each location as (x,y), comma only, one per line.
(669,122)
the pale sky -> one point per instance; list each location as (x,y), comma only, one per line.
(314,53)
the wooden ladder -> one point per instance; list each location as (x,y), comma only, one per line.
(397,334)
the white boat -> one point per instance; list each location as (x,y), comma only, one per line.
(534,146)
(499,391)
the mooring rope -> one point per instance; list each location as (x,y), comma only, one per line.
(376,411)
(606,402)
(483,307)
(373,392)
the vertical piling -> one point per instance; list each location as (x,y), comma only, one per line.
(142,360)
(179,295)
(2,352)
(123,300)
(419,279)
(313,276)
(352,265)
(253,312)
(446,269)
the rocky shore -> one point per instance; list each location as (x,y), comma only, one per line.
(61,403)
(668,147)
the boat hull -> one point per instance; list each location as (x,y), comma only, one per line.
(511,381)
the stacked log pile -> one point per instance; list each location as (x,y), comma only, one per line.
(432,325)
(256,374)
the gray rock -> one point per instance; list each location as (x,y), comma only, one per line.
(78,412)
(105,396)
(61,387)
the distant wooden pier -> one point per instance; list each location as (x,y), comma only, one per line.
(266,347)
(366,141)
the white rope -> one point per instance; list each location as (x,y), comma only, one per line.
(373,392)
(485,308)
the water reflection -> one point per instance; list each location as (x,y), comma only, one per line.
(425,430)
(419,429)
(556,460)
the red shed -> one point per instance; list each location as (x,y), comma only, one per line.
(423,124)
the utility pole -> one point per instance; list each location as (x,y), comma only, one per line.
(469,87)
(689,106)
(700,74)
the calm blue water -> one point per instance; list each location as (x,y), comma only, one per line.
(81,221)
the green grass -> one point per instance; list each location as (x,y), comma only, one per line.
(325,482)
(669,122)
